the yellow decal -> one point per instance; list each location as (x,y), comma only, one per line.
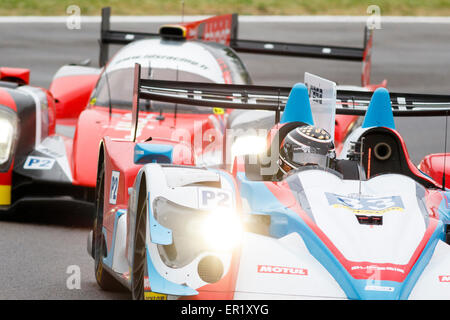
(380,212)
(5,195)
(98,274)
(93,101)
(218,111)
(154,296)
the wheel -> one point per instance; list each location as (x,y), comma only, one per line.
(139,254)
(104,279)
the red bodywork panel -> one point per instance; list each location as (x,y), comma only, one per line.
(7,100)
(434,164)
(217,29)
(95,123)
(411,165)
(71,94)
(118,157)
(51,113)
(18,75)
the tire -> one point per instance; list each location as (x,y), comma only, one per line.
(104,279)
(139,253)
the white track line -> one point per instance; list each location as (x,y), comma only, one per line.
(244,19)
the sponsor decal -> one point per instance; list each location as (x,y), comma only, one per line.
(146,284)
(316,94)
(154,296)
(366,205)
(445,278)
(38,163)
(148,295)
(379,288)
(282,270)
(218,30)
(115,176)
(5,195)
(218,111)
(375,268)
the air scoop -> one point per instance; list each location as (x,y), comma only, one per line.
(173,32)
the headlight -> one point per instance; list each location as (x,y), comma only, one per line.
(222,230)
(195,231)
(8,133)
(248,145)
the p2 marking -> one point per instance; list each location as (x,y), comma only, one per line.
(38,163)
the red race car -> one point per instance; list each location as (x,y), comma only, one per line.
(85,104)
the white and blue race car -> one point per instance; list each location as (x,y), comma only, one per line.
(372,227)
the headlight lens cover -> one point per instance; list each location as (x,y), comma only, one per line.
(195,231)
(8,133)
(248,145)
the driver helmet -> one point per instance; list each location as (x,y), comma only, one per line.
(306,146)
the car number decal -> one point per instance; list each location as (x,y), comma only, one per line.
(115,175)
(366,205)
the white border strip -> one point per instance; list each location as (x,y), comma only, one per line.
(244,19)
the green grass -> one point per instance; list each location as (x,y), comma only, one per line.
(212,7)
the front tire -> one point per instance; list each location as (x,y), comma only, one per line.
(139,254)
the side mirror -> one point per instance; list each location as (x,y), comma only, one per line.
(151,153)
(17,75)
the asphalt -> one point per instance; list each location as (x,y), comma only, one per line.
(38,251)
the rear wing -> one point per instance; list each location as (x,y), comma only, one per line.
(362,54)
(224,29)
(217,29)
(270,98)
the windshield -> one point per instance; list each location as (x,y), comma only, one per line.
(192,61)
(117,86)
(231,65)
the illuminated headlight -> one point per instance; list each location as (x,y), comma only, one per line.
(222,230)
(8,134)
(248,145)
(195,231)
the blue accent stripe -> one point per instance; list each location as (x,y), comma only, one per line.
(422,261)
(152,152)
(161,285)
(444,208)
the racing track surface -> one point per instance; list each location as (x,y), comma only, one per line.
(37,248)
